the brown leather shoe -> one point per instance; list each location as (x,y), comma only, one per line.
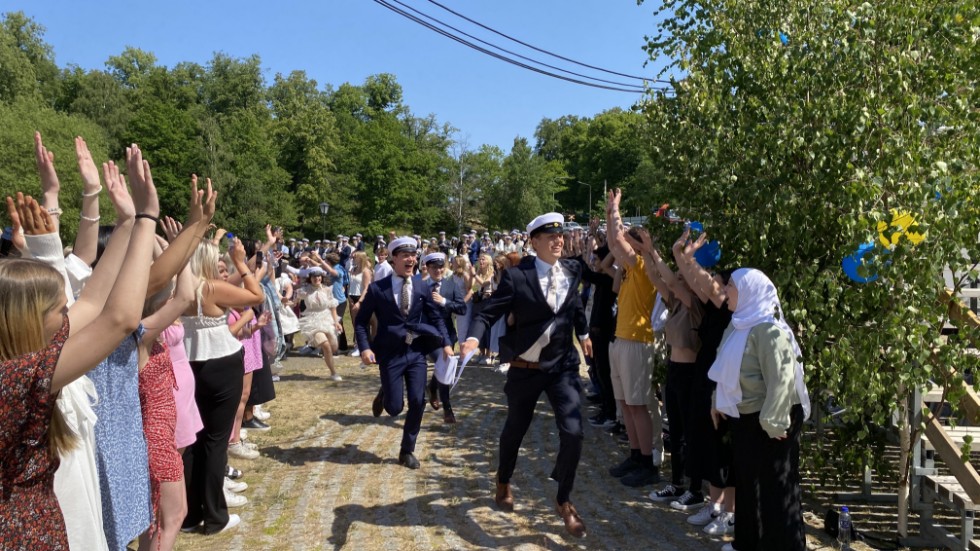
(378,405)
(434,397)
(504,499)
(573,522)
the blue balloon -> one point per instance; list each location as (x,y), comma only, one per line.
(853,262)
(696,226)
(708,255)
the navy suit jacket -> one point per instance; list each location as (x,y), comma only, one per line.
(454,295)
(423,320)
(520,294)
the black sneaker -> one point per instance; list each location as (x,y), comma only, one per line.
(618,428)
(690,500)
(667,494)
(641,477)
(625,468)
(255,424)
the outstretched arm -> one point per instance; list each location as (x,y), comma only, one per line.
(618,246)
(87,238)
(199,213)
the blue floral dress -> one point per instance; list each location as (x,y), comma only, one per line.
(124,471)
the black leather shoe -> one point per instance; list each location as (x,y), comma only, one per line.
(379,403)
(408,460)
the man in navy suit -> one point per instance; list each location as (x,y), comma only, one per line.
(541,294)
(409,327)
(450,298)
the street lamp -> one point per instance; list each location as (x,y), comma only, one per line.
(588,210)
(324,209)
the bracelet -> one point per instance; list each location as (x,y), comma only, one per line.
(55,212)
(155,219)
(93,194)
(246,274)
(90,219)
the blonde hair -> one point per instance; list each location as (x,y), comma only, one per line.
(204,262)
(461,266)
(361,261)
(30,290)
(485,274)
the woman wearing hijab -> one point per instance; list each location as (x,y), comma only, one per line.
(761,388)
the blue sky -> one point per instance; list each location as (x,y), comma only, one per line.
(339,41)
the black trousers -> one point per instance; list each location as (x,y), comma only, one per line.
(601,337)
(523,388)
(767,487)
(217,391)
(681,378)
(705,460)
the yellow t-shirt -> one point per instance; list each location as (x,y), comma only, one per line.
(636,296)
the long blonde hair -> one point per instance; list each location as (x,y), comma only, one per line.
(485,273)
(461,266)
(204,262)
(361,262)
(29,290)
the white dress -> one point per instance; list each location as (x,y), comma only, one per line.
(317,321)
(287,318)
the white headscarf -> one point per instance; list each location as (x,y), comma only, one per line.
(758,303)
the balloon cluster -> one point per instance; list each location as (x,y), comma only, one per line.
(859,266)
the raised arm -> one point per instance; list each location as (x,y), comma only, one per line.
(87,238)
(226,295)
(93,297)
(50,185)
(700,280)
(618,246)
(90,344)
(182,247)
(155,323)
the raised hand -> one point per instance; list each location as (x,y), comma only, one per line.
(122,202)
(612,201)
(87,168)
(16,230)
(210,199)
(237,252)
(34,219)
(170,227)
(45,167)
(270,237)
(195,209)
(263,320)
(141,180)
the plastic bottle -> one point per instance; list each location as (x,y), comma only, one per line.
(844,530)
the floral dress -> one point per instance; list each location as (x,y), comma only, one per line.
(29,514)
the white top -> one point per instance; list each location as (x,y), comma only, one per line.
(355,287)
(206,337)
(382,270)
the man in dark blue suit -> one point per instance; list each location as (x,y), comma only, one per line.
(409,327)
(450,297)
(541,295)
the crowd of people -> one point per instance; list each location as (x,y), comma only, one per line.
(134,364)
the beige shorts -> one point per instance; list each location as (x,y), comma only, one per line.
(632,371)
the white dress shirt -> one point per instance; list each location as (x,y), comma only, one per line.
(563,278)
(396,285)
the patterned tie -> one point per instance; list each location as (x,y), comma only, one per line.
(553,287)
(406,297)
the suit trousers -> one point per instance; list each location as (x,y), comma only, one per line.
(405,372)
(523,388)
(767,486)
(218,390)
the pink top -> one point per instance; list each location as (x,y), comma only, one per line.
(188,416)
(251,344)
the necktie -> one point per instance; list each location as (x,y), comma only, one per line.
(406,297)
(553,287)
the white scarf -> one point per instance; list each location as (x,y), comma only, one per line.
(757,303)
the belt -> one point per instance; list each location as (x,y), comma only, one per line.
(525,364)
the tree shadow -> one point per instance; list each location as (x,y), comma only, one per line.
(300,456)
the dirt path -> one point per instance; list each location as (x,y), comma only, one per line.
(328,478)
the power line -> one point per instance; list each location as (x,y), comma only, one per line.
(543,51)
(525,58)
(506,59)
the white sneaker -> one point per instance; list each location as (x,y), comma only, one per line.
(233,521)
(503,368)
(354,353)
(235,500)
(241,451)
(242,434)
(261,414)
(336,377)
(723,525)
(250,446)
(235,486)
(706,515)
(728,547)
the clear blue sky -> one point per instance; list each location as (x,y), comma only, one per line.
(341,41)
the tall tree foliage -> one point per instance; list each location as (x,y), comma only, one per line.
(796,130)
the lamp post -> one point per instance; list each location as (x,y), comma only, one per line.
(588,210)
(324,209)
